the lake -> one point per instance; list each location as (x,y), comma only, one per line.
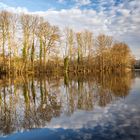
(71,107)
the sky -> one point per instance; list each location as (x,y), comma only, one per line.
(119,18)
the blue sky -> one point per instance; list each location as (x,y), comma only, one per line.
(43,5)
(119,18)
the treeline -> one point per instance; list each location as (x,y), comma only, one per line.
(137,64)
(28,43)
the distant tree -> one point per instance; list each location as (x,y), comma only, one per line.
(122,56)
(48,36)
(26,29)
(80,47)
(103,43)
(5,30)
(34,24)
(69,33)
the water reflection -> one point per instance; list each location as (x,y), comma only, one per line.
(32,102)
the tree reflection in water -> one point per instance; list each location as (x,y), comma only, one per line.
(31,102)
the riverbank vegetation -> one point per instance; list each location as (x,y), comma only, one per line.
(29,44)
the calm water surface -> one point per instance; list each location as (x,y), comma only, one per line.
(102,107)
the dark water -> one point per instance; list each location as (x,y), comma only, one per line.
(102,107)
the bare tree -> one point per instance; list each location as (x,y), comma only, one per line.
(26,28)
(4,31)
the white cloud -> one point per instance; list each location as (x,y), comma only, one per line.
(77,19)
(124,12)
(61,1)
(2,5)
(13,9)
(82,2)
